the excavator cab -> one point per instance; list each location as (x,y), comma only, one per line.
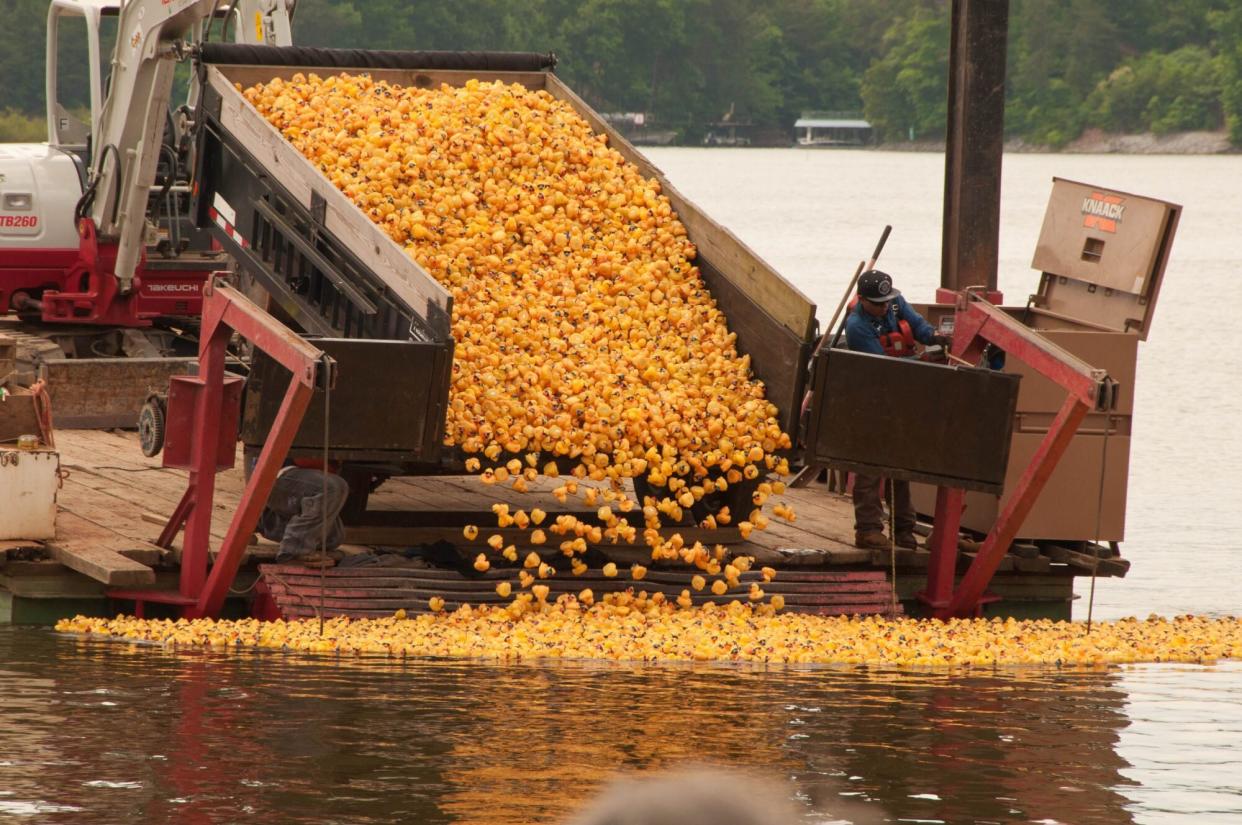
(74,101)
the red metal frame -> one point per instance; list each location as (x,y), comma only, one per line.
(226,311)
(977,324)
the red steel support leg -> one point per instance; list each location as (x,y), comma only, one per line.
(197,541)
(284,428)
(942,565)
(1010,520)
(176,520)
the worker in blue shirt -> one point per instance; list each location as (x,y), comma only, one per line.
(883,323)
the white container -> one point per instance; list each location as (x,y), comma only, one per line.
(28,482)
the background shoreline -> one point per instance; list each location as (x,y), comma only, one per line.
(1097,142)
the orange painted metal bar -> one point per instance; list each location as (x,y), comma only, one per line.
(206,424)
(225,311)
(258,488)
(977,323)
(942,566)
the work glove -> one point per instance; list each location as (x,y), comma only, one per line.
(945,341)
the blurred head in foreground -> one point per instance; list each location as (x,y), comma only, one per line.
(700,796)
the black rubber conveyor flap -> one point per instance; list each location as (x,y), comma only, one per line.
(241,54)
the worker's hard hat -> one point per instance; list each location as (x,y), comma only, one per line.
(877,286)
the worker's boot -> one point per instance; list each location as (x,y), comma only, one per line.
(871,541)
(908,539)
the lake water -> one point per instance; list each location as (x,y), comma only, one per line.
(98,733)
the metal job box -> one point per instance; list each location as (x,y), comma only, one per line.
(1102,255)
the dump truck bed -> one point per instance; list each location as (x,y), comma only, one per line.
(774,322)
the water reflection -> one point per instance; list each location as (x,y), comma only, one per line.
(98,732)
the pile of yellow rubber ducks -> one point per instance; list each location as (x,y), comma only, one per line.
(638,627)
(584,331)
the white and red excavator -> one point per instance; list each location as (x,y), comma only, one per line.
(94,232)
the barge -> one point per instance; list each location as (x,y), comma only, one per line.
(114,501)
(340,287)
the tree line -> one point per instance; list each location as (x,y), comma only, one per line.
(1117,65)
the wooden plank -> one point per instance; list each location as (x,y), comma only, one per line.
(108,448)
(94,499)
(456,491)
(103,509)
(779,534)
(778,357)
(92,550)
(905,557)
(1039,564)
(965,559)
(149,555)
(1023,550)
(132,538)
(444,492)
(1082,561)
(67,584)
(33,567)
(133,490)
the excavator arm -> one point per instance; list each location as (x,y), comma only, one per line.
(150,40)
(152,36)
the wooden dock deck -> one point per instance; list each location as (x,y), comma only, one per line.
(114,501)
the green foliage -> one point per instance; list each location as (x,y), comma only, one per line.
(1227,25)
(904,92)
(1159,92)
(22,46)
(1132,65)
(16,127)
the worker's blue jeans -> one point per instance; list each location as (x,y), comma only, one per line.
(298,509)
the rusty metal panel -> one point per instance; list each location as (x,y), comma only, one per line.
(93,393)
(912,420)
(974,140)
(1103,253)
(389,401)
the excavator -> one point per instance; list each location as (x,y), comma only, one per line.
(98,256)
